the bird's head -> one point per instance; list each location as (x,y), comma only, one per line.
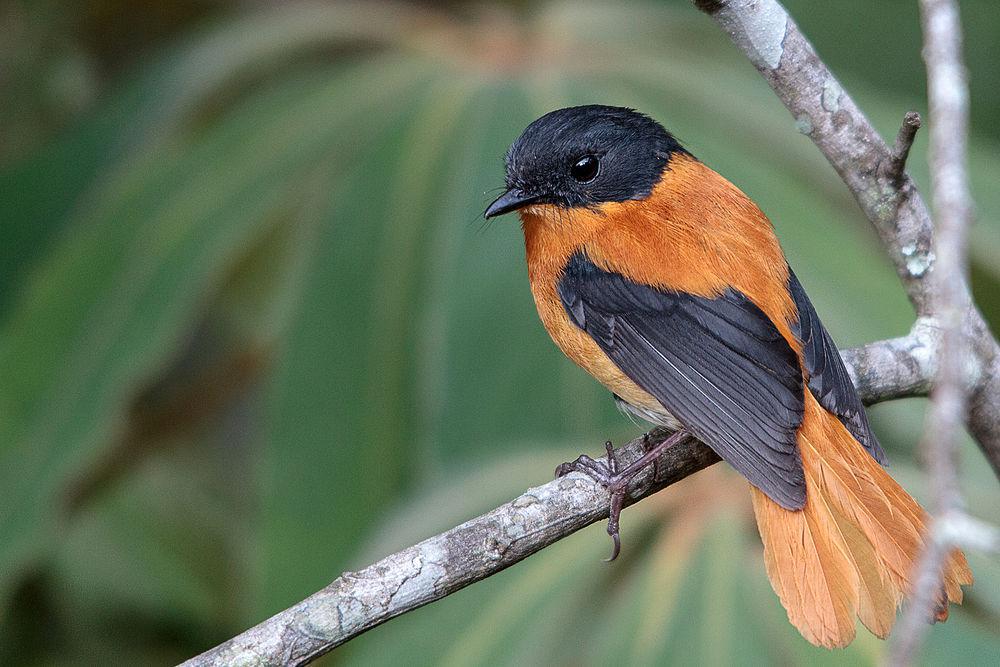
(583,157)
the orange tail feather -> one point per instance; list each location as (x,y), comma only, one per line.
(851,551)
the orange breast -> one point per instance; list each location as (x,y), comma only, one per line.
(695,233)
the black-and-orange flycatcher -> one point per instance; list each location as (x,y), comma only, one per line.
(666,283)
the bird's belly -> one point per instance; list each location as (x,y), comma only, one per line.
(653,414)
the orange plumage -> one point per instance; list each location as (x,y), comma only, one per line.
(850,551)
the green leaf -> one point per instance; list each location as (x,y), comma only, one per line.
(122,291)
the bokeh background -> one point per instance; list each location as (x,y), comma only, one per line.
(254,331)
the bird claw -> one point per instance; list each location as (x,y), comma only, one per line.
(602,473)
(609,476)
(617,549)
(615,480)
(588,466)
(617,490)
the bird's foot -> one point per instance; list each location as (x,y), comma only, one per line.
(600,472)
(616,481)
(608,476)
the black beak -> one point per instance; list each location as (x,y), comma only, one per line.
(509,201)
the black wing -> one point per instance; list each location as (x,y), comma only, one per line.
(720,366)
(827,376)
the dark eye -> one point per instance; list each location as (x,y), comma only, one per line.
(585,169)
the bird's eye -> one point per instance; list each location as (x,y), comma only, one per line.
(585,169)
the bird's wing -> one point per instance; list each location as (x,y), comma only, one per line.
(719,365)
(827,376)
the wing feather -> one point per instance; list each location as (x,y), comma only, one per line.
(828,379)
(719,365)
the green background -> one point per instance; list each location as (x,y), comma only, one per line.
(254,331)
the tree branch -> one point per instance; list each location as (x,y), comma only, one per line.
(894,368)
(358,601)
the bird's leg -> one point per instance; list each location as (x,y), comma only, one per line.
(616,481)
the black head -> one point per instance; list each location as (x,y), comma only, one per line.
(585,156)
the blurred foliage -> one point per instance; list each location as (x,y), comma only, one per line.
(253,331)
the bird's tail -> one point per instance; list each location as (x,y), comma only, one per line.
(851,551)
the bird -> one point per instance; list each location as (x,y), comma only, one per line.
(668,285)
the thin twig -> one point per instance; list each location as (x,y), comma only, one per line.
(971,533)
(896,166)
(897,367)
(949,97)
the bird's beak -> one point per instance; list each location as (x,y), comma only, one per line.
(509,201)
